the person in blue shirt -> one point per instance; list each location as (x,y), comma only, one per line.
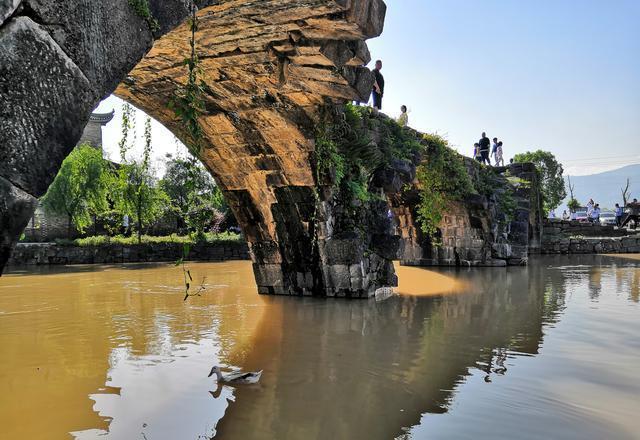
(619,213)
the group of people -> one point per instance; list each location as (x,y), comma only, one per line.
(594,211)
(484,149)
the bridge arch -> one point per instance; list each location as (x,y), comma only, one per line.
(269,68)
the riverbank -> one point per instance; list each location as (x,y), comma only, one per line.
(26,254)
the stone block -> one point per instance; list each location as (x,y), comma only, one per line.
(501,250)
(342,251)
(268,274)
(337,276)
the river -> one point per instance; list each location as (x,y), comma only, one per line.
(113,352)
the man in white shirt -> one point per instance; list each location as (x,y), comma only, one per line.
(595,214)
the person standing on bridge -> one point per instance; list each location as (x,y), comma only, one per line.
(485,144)
(477,155)
(403,119)
(595,214)
(378,86)
(632,214)
(619,213)
(499,156)
(590,205)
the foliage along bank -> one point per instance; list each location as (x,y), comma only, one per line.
(356,147)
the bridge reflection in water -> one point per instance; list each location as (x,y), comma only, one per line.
(116,351)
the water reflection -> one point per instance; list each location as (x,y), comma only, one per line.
(466,353)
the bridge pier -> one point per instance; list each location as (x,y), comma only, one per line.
(308,255)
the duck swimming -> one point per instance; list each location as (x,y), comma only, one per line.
(236,376)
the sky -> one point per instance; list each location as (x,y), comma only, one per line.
(558,75)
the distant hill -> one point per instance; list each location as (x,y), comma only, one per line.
(604,188)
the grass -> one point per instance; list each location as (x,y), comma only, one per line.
(103,240)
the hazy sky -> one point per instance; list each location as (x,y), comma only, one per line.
(561,75)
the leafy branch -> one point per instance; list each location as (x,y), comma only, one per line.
(186,272)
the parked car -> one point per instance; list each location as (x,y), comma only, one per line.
(608,218)
(581,214)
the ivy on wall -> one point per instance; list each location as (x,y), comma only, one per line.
(347,157)
(442,176)
(141,8)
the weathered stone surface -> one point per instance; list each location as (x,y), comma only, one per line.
(7,7)
(44,104)
(473,232)
(16,207)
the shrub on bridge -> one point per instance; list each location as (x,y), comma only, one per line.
(442,176)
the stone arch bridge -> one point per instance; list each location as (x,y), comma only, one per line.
(270,66)
(272,69)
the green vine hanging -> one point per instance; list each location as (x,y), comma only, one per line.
(188,99)
(188,106)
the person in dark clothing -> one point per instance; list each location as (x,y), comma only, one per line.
(632,214)
(485,144)
(378,86)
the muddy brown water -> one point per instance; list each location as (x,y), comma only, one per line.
(113,352)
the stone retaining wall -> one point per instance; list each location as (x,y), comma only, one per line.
(591,245)
(573,228)
(52,253)
(572,237)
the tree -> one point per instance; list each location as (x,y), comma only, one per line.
(79,191)
(195,198)
(550,175)
(573,204)
(134,188)
(626,194)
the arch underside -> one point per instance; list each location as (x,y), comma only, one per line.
(269,66)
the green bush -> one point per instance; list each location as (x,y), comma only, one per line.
(103,240)
(442,177)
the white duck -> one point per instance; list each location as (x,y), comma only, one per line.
(236,376)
